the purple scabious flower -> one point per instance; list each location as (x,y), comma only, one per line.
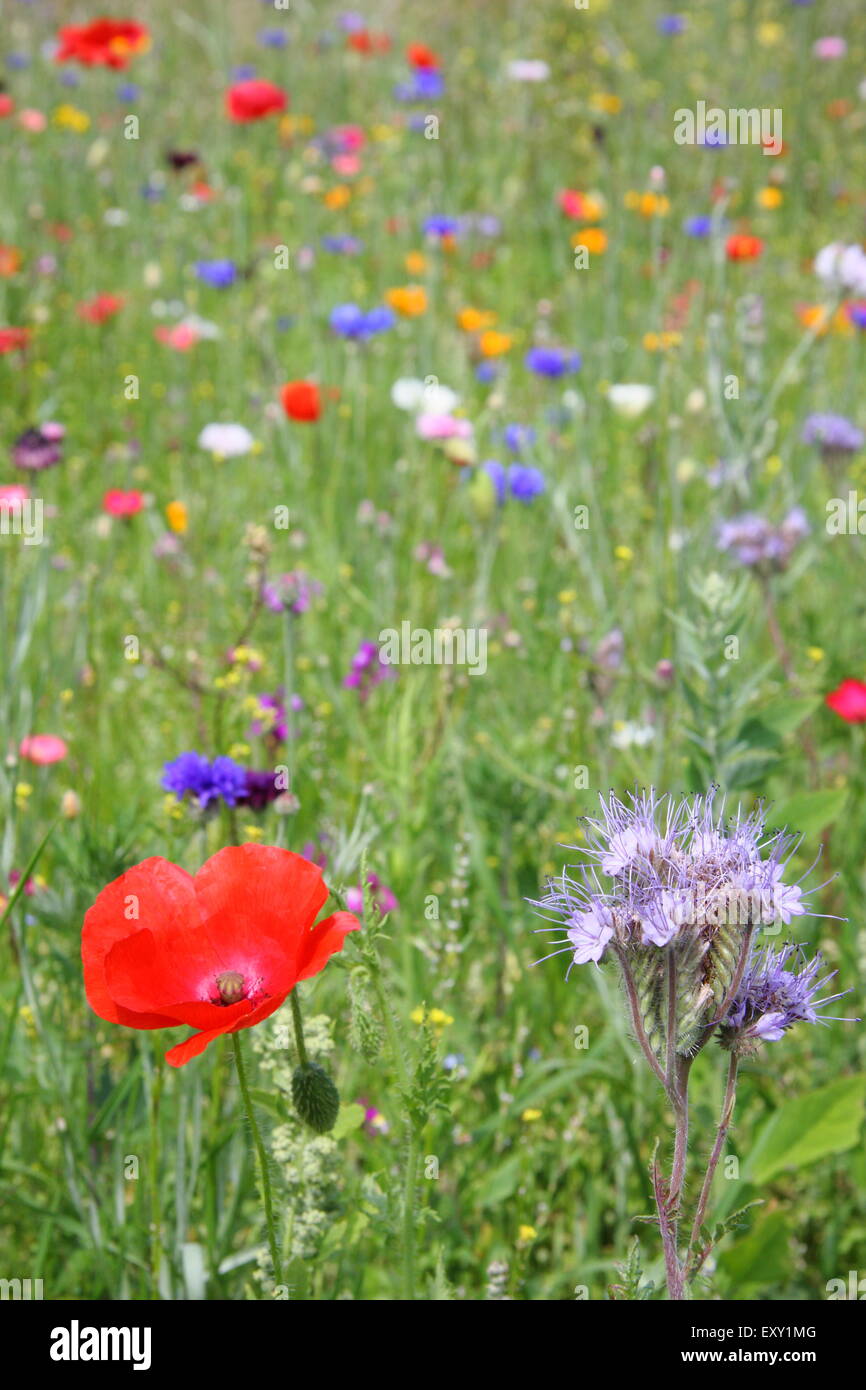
(290,593)
(656,868)
(38,448)
(779,988)
(834,434)
(219,274)
(760,545)
(367,670)
(195,775)
(525,483)
(552,362)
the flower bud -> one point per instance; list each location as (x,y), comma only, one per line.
(316,1098)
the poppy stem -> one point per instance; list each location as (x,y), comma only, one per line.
(267,1198)
(298,1023)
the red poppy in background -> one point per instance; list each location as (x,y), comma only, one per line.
(7,105)
(12,338)
(301,401)
(420,56)
(100,308)
(743,248)
(108,43)
(849,700)
(254,99)
(364,41)
(119,503)
(218,952)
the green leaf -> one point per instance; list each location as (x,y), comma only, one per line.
(784,716)
(501,1184)
(762,1257)
(811,1127)
(809,812)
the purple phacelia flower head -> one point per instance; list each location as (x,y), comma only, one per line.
(779,988)
(760,545)
(833,434)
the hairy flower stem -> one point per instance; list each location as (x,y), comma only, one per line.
(298,1024)
(721,1136)
(637,1022)
(264,1176)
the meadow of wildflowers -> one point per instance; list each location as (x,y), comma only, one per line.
(432,677)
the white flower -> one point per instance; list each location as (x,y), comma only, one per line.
(229,441)
(630,735)
(842,267)
(528,70)
(630,399)
(412,394)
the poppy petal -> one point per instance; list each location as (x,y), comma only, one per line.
(156,894)
(324,941)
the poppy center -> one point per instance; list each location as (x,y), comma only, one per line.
(230,987)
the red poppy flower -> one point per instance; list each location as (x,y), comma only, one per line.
(420,56)
(849,700)
(301,401)
(364,41)
(100,308)
(106,43)
(7,105)
(119,503)
(13,338)
(218,952)
(254,99)
(743,248)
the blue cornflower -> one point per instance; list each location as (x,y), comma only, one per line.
(700,226)
(670,24)
(220,274)
(194,775)
(525,483)
(517,437)
(427,84)
(273,38)
(349,321)
(441,226)
(495,471)
(551,361)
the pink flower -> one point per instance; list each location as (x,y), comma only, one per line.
(443,427)
(830,47)
(43,749)
(32,120)
(12,495)
(182,337)
(119,503)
